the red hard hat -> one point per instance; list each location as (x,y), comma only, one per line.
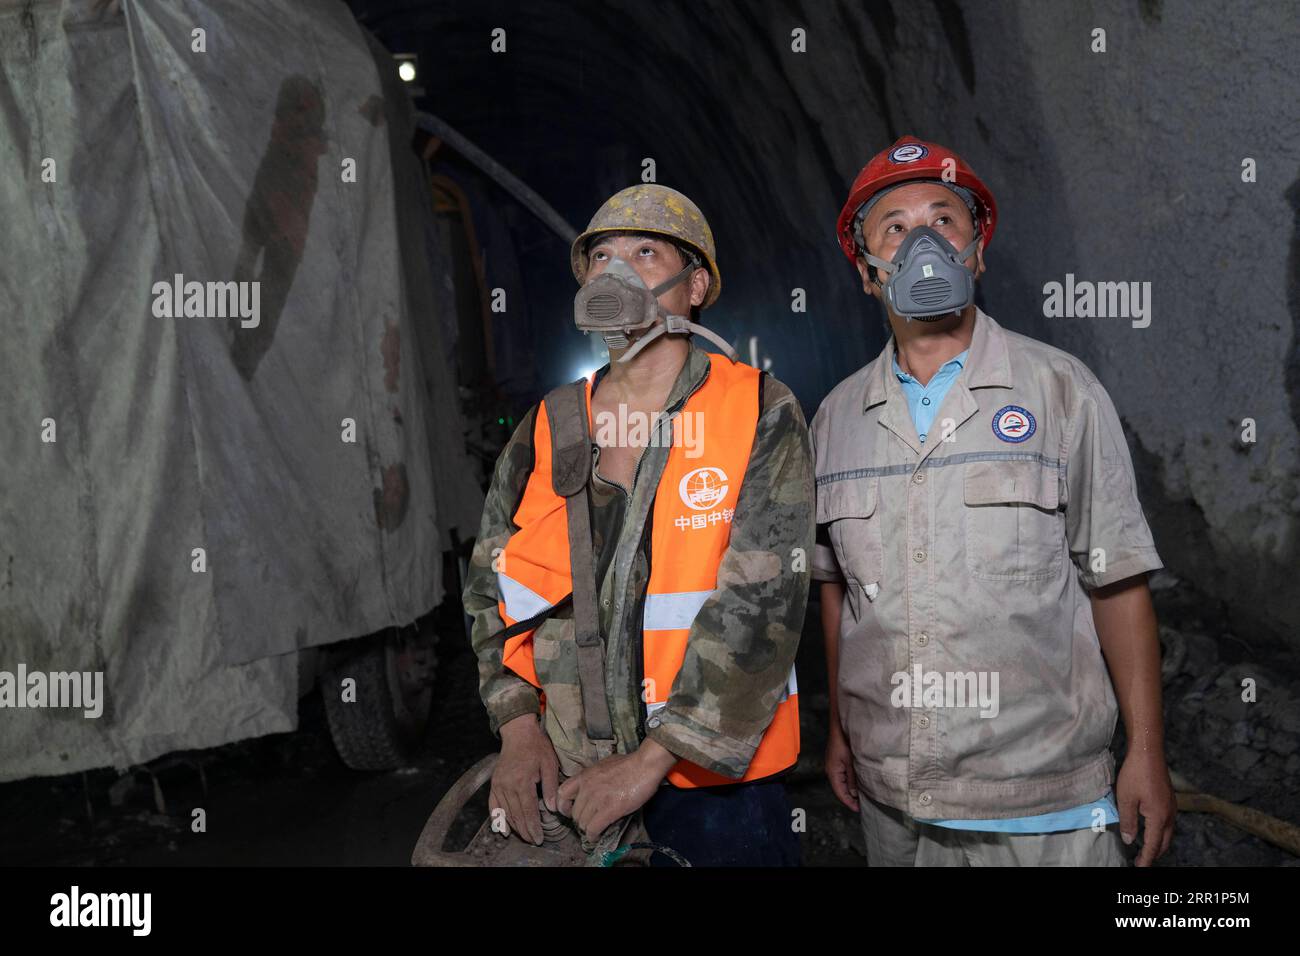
(909,159)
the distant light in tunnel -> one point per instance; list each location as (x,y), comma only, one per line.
(406,70)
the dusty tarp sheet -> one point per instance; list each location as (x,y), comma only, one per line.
(194,432)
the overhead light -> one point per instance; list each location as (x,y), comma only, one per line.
(405,66)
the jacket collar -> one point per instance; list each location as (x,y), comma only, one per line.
(694,371)
(988,363)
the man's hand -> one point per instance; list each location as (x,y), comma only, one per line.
(614,787)
(527,757)
(1143,789)
(839,755)
(1126,628)
(839,767)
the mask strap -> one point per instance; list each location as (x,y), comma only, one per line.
(884,265)
(714,337)
(969,250)
(678,324)
(642,342)
(668,283)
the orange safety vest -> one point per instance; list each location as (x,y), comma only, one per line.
(690,530)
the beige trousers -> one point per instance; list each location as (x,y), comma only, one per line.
(895,839)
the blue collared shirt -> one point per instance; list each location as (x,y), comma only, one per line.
(923,403)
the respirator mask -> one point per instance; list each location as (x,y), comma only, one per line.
(618,302)
(927,276)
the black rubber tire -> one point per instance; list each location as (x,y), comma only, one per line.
(373,733)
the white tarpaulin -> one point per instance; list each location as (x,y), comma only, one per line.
(210,140)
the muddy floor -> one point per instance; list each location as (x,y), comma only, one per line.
(287,799)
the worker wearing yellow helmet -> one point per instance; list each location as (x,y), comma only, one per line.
(637,570)
(615,301)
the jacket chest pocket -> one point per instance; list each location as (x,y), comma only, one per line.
(1014,530)
(849,510)
(554,654)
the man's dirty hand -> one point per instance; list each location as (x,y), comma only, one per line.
(614,787)
(527,759)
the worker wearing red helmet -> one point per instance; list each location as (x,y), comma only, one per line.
(983,558)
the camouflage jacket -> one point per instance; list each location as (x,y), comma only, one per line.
(742,643)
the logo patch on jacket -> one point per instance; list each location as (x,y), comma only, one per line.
(703,488)
(1013,423)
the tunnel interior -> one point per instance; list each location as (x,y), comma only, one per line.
(763,113)
(1116,155)
(1106,162)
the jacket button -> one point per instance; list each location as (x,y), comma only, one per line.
(652,722)
(918,556)
(919,477)
(922,639)
(925,799)
(923,721)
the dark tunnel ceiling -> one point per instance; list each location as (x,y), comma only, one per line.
(586,91)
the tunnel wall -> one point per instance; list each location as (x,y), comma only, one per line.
(1127,166)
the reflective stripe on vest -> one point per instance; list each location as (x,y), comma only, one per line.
(521,601)
(533,571)
(690,530)
(668,611)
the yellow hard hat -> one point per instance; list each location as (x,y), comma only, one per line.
(656,210)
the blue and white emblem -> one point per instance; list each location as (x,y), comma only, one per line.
(908,153)
(1013,423)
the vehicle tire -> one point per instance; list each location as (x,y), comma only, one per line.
(381,729)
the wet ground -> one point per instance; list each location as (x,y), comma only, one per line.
(287,799)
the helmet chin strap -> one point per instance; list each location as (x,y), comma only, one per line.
(673,324)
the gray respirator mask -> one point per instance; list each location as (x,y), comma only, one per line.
(927,276)
(618,302)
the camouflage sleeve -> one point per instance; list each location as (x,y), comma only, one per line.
(742,643)
(505,695)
